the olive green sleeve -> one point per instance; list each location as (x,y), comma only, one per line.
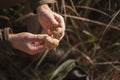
(46,1)
(36,3)
(5,45)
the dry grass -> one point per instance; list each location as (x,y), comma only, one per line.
(92,39)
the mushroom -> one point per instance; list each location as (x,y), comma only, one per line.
(51,43)
(57,33)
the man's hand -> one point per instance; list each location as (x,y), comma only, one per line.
(28,42)
(50,20)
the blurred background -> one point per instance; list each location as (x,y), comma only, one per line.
(92,37)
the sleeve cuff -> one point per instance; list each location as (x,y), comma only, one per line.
(6,42)
(46,2)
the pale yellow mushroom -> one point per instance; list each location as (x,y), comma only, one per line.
(57,33)
(51,43)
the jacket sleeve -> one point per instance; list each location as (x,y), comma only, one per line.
(46,1)
(36,3)
(5,45)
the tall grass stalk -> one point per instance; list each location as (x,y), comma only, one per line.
(41,59)
(73,5)
(93,21)
(108,26)
(88,4)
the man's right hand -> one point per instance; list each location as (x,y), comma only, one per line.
(27,42)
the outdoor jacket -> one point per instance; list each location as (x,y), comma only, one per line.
(4,41)
(10,63)
(8,3)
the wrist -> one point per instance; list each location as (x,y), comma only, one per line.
(42,8)
(11,39)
